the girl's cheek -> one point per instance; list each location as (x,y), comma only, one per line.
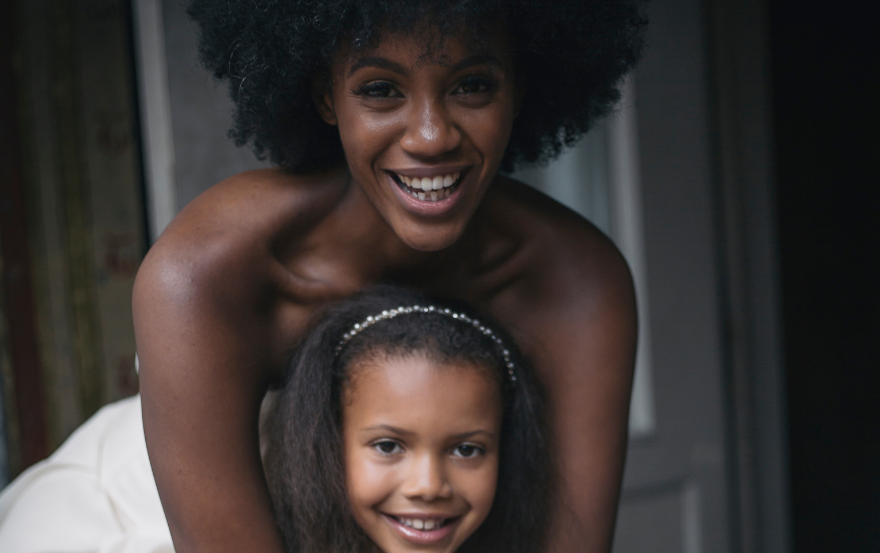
(482,484)
(372,479)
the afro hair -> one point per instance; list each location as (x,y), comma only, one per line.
(570,55)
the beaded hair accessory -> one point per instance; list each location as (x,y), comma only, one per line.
(398,311)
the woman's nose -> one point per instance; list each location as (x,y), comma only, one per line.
(427,480)
(430,131)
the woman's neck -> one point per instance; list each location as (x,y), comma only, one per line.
(373,249)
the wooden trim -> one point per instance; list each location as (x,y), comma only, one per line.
(75,189)
(17,280)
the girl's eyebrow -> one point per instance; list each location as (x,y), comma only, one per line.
(465,435)
(402,432)
(388,428)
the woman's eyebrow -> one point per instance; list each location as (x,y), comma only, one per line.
(383,63)
(477,59)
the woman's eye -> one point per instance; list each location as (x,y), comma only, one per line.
(387,447)
(467,451)
(377,89)
(474,85)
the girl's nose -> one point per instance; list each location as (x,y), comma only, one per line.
(430,131)
(427,480)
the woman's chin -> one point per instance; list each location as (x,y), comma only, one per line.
(432,240)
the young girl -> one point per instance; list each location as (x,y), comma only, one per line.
(402,424)
(407,424)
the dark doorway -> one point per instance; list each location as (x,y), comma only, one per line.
(827,116)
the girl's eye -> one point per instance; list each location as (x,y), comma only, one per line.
(475,85)
(377,89)
(387,447)
(467,451)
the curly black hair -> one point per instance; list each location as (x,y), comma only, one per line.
(304,461)
(570,56)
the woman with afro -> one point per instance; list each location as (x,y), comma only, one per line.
(388,123)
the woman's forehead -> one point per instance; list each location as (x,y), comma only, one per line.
(428,45)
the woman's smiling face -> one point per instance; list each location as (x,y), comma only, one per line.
(421,445)
(424,132)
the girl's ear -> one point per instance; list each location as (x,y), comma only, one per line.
(323,101)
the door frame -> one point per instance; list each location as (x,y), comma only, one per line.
(748,259)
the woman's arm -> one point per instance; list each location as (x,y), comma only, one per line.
(590,343)
(204,328)
(580,332)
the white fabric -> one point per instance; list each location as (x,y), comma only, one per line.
(96,494)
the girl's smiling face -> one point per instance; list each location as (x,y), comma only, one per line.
(421,445)
(424,132)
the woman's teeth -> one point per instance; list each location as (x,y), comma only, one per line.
(422,524)
(430,188)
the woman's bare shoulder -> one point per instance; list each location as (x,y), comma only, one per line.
(229,232)
(572,309)
(255,206)
(561,250)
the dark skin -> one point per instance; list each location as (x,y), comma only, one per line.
(230,286)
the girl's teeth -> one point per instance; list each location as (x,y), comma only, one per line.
(420,524)
(447,181)
(437,184)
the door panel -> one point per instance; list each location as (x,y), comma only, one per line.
(656,519)
(656,185)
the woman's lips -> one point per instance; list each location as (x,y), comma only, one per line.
(422,536)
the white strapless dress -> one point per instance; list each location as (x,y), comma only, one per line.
(96,494)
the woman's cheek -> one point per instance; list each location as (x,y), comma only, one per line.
(365,136)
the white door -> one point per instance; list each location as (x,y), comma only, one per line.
(644,176)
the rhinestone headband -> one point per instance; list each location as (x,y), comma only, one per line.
(396,312)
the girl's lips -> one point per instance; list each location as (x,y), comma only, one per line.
(428,207)
(422,537)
